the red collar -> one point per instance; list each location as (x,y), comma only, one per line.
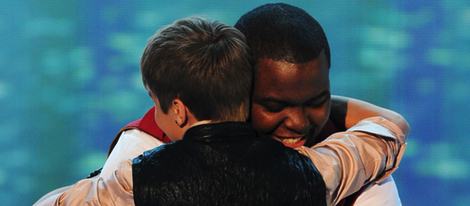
(146,124)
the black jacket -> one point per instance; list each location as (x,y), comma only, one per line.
(225,164)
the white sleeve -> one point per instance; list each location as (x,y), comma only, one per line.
(107,188)
(113,190)
(384,193)
(131,144)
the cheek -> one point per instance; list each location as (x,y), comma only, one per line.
(160,122)
(320,115)
(262,121)
(163,123)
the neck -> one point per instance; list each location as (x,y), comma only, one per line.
(192,122)
(202,122)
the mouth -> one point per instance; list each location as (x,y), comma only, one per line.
(292,142)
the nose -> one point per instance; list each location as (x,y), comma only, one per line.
(297,120)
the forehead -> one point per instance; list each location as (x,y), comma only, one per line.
(289,81)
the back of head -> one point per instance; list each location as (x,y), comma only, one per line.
(283,33)
(204,63)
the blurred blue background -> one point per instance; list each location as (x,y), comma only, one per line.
(70,79)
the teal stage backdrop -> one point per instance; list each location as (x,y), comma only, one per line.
(70,79)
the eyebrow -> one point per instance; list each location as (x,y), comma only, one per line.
(321,95)
(272,99)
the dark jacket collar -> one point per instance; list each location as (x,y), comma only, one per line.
(220,131)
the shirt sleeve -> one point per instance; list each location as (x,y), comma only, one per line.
(113,190)
(51,197)
(369,151)
(383,193)
(131,144)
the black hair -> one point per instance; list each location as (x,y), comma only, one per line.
(283,33)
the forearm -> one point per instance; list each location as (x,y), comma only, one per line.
(349,111)
(113,190)
(368,152)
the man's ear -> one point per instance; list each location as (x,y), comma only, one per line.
(180,112)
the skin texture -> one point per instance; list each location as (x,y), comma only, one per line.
(166,121)
(177,120)
(291,101)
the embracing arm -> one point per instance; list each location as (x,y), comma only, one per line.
(130,144)
(115,189)
(368,152)
(347,112)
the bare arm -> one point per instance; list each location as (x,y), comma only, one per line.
(347,112)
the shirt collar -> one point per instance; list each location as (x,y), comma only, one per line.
(219,131)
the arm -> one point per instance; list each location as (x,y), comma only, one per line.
(347,112)
(384,193)
(131,144)
(367,152)
(112,190)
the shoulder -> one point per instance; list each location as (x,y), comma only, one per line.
(282,167)
(275,149)
(159,159)
(271,153)
(155,153)
(134,142)
(131,143)
(158,167)
(139,139)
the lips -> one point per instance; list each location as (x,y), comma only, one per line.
(291,142)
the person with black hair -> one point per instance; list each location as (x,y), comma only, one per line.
(291,98)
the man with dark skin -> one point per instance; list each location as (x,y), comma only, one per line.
(291,103)
(291,99)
